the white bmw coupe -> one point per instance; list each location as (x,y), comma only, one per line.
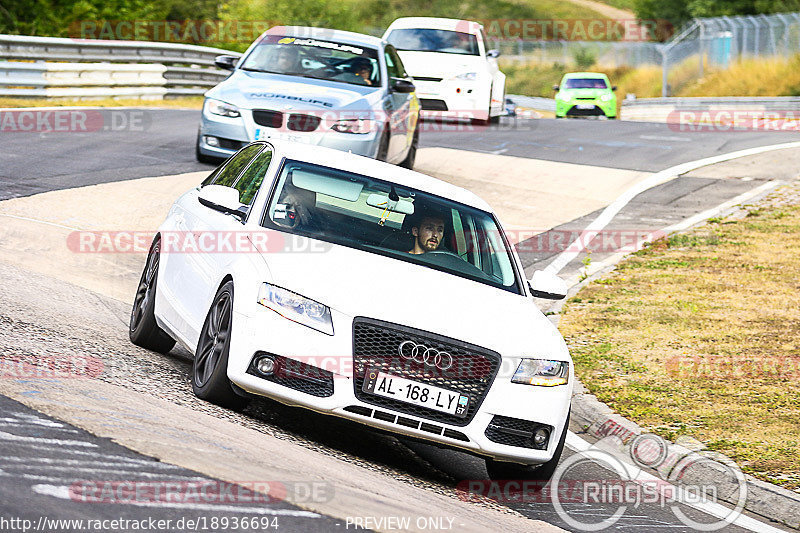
(355,288)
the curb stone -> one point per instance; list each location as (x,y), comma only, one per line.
(598,419)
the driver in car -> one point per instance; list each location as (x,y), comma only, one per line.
(428,234)
(286,60)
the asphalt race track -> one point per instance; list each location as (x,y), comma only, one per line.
(30,483)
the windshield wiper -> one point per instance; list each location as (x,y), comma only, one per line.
(250,69)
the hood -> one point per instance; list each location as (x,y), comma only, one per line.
(439,65)
(358,283)
(250,90)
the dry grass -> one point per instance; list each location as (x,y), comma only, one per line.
(752,77)
(700,335)
(190,102)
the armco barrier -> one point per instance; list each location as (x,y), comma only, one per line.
(664,109)
(78,68)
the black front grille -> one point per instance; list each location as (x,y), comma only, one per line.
(430,104)
(303,122)
(270,119)
(426,78)
(407,422)
(514,431)
(296,375)
(230,144)
(593,112)
(376,344)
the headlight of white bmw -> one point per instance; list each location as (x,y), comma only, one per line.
(217,107)
(353,125)
(467,76)
(296,308)
(542,373)
(606,97)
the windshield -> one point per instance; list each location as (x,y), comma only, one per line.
(313,58)
(424,40)
(379,217)
(585,83)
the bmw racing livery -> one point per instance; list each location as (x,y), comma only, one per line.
(322,87)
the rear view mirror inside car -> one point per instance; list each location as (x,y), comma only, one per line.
(383,202)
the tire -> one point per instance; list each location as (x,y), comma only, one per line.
(383,147)
(142,328)
(542,472)
(202,158)
(210,365)
(411,157)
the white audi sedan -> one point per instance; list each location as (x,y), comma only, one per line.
(455,72)
(359,289)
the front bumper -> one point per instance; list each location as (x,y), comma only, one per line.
(233,133)
(545,406)
(595,107)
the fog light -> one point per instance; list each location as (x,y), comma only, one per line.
(265,366)
(540,437)
(211,141)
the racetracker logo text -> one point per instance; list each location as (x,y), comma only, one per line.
(73,120)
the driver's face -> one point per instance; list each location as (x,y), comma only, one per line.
(429,233)
(285,59)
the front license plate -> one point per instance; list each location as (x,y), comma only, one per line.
(585,106)
(414,392)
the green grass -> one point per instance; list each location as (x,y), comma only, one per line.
(697,335)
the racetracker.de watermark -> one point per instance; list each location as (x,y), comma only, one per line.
(588,29)
(188,242)
(733,119)
(269,241)
(74,120)
(200,492)
(51,367)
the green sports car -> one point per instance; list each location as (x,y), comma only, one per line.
(584,94)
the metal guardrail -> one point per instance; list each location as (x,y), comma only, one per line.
(533,102)
(664,109)
(57,67)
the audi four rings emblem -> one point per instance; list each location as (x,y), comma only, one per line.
(424,355)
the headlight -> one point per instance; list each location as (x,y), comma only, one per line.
(542,373)
(296,308)
(564,97)
(353,125)
(221,108)
(467,76)
(606,97)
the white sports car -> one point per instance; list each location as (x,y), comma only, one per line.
(359,289)
(455,73)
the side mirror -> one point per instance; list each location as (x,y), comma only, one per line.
(543,284)
(613,87)
(555,87)
(400,85)
(223,199)
(226,62)
(493,53)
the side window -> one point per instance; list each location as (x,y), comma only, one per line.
(398,62)
(391,67)
(227,176)
(251,179)
(485,43)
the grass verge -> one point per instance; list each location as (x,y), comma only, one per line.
(190,102)
(751,77)
(699,335)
